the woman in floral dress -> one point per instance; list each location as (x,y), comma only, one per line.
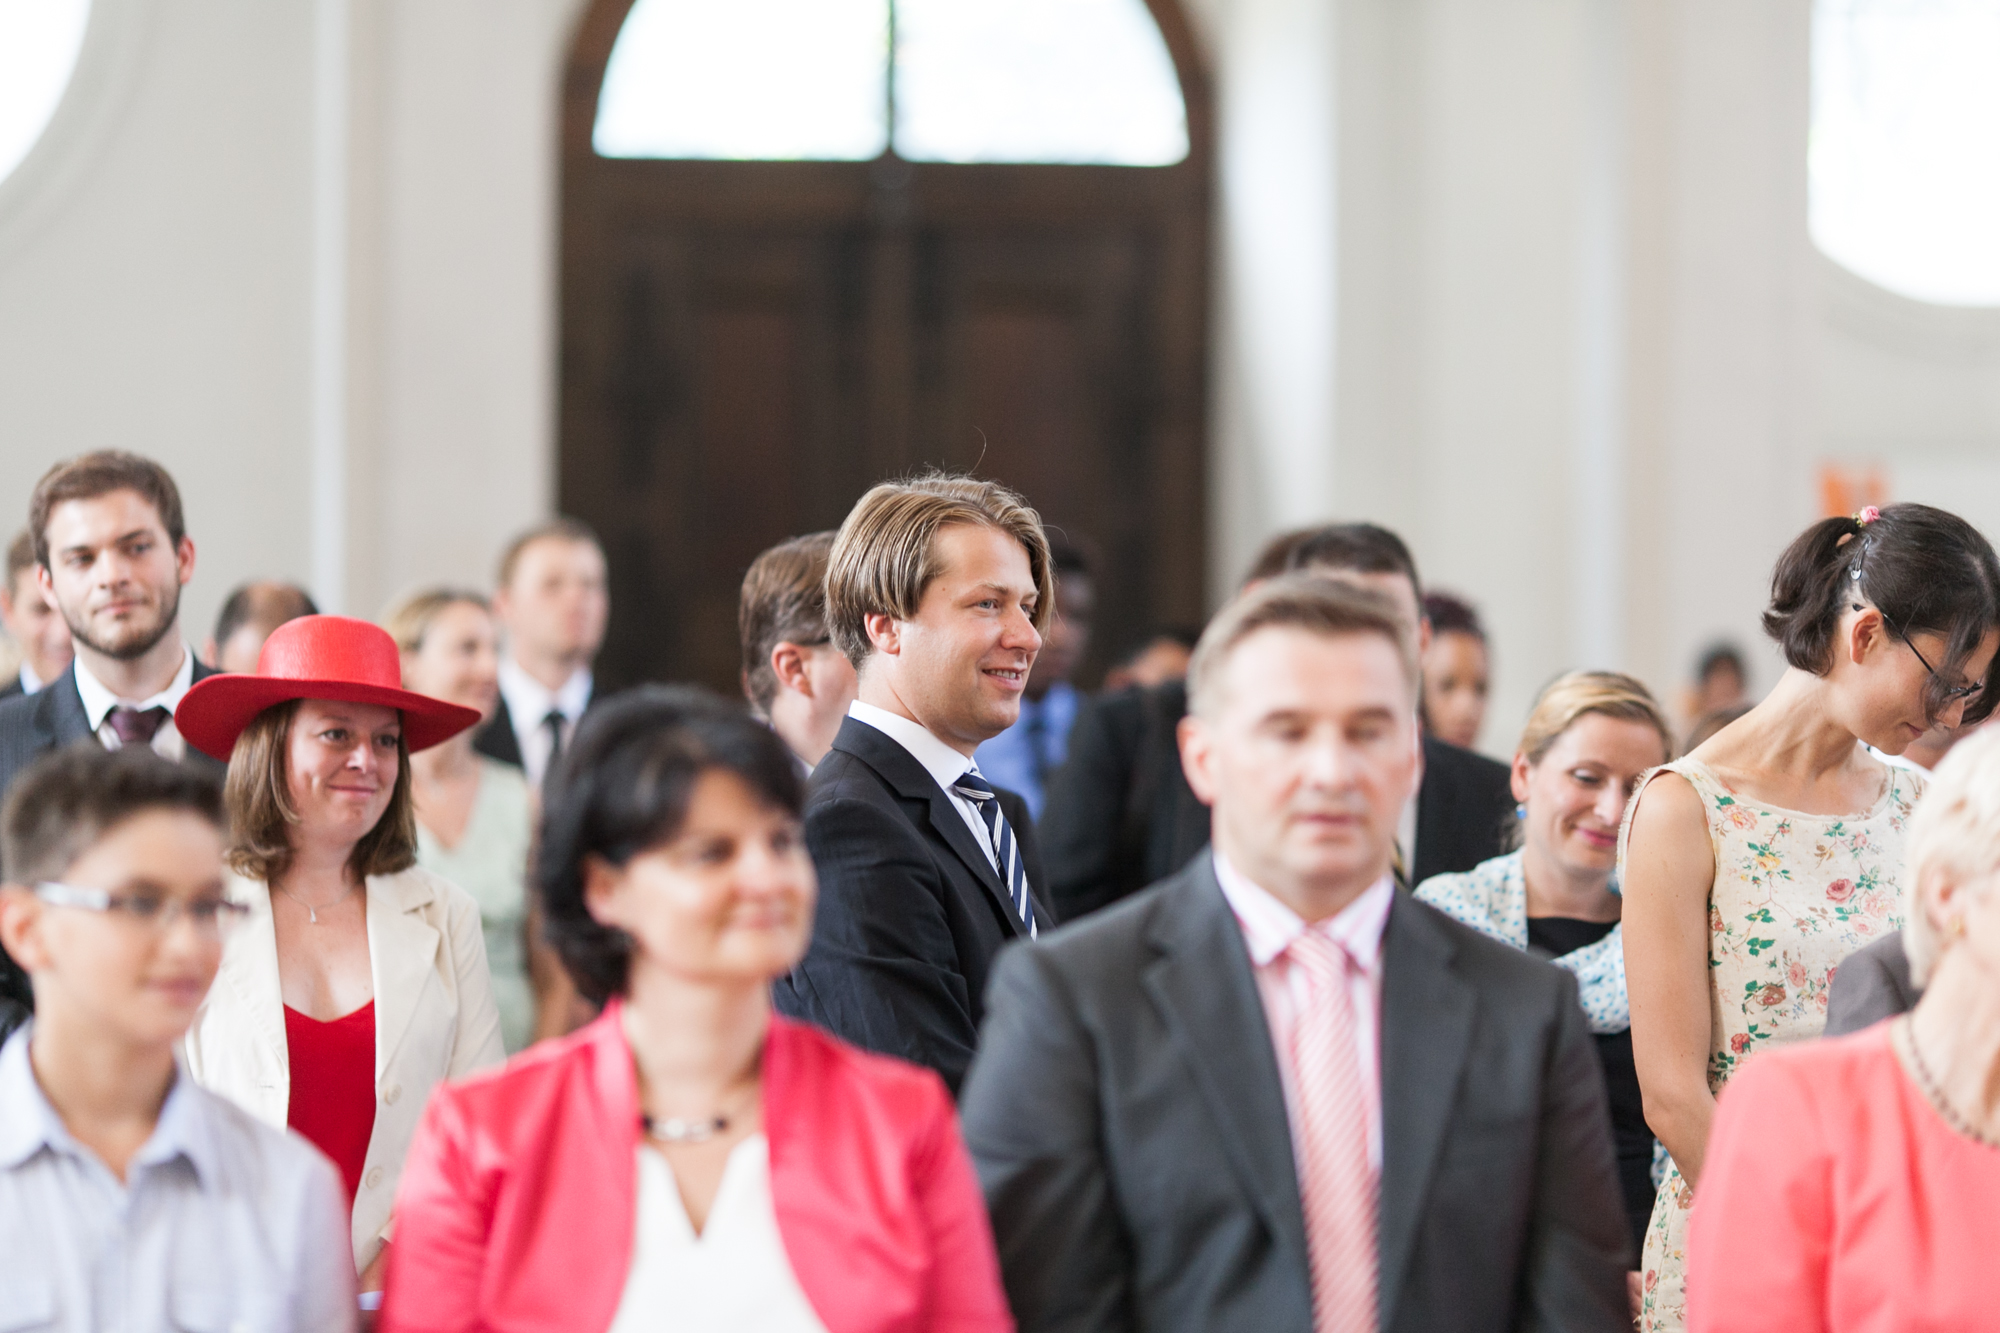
(1755,864)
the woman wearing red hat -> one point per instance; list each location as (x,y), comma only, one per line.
(358,981)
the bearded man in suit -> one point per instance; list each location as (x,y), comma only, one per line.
(112,555)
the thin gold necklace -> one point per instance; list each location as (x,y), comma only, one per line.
(1933,1093)
(312,913)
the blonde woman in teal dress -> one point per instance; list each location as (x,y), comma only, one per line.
(475,816)
(1755,864)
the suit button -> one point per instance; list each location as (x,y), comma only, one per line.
(391,1093)
(374,1178)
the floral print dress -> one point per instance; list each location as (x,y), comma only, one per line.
(1794,894)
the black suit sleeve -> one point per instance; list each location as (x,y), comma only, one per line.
(1578,1246)
(1084,820)
(1030,1114)
(882,971)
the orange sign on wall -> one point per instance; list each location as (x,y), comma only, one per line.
(1845,488)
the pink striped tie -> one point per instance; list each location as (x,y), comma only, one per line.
(1336,1183)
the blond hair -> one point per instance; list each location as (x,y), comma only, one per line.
(1309,602)
(885,555)
(1578,694)
(410,619)
(1954,836)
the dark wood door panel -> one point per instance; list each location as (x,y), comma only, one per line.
(746,347)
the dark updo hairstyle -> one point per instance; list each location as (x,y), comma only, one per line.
(622,788)
(1922,568)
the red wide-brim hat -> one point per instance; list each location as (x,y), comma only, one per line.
(316,657)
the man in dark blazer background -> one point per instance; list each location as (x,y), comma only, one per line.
(36,628)
(112,552)
(937,590)
(1144,1074)
(553,602)
(1120,814)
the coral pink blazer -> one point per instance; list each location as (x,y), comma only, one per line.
(520,1195)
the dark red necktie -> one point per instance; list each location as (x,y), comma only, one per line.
(138,726)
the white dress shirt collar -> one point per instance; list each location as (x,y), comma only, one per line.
(98,701)
(945,765)
(28,1123)
(529,701)
(30,682)
(1269,926)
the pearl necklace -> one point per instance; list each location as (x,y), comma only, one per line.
(1933,1093)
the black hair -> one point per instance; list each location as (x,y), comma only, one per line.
(1450,614)
(1364,548)
(622,787)
(1068,556)
(70,798)
(1922,568)
(1721,654)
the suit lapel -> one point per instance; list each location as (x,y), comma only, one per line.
(1427,1014)
(912,781)
(1204,987)
(59,714)
(403,948)
(251,965)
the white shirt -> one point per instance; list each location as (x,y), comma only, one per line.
(30,682)
(734,1275)
(945,765)
(529,703)
(1269,927)
(99,701)
(220,1222)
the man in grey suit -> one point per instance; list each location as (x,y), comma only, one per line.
(1273,1092)
(1871,984)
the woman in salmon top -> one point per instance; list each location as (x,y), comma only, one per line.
(358,981)
(689,1160)
(1853,1185)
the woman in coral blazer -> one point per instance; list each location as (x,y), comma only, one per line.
(689,1160)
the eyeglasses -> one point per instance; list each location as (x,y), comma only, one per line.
(210,917)
(1952,693)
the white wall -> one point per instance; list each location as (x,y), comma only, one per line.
(156,280)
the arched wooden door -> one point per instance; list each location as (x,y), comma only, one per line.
(749,345)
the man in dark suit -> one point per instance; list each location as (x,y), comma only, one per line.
(937,590)
(1120,814)
(1276,1092)
(553,601)
(112,553)
(36,627)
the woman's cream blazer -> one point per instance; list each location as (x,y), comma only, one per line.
(434,1019)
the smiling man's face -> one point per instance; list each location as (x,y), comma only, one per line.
(960,664)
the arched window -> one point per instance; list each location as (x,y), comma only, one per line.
(1905,147)
(39,42)
(1056,81)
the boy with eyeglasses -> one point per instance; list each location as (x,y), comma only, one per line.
(129,1197)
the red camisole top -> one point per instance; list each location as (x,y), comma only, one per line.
(333,1086)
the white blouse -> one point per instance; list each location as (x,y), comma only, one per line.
(733,1276)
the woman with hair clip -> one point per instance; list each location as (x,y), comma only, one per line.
(1752,866)
(1590,738)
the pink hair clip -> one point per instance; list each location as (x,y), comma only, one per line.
(1868,514)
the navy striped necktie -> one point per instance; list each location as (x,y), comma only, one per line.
(1006,852)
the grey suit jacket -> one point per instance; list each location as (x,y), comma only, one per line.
(1128,1121)
(31,726)
(1870,984)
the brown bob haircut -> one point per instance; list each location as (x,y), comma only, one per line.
(783,601)
(257,795)
(91,475)
(1308,602)
(885,555)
